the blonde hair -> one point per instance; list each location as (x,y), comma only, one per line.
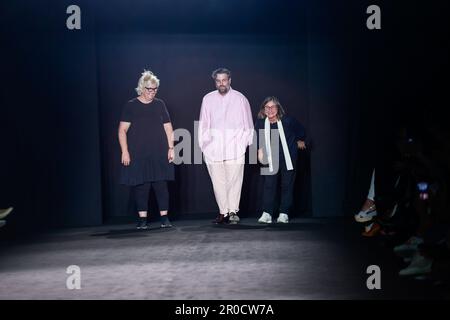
(146,78)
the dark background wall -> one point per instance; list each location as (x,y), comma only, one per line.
(261,65)
(182,44)
(50,147)
(62,92)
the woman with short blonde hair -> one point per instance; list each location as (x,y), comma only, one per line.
(146,141)
(147,78)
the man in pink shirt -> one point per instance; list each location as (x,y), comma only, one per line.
(225,131)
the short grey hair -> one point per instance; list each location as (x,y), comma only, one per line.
(221,71)
(146,78)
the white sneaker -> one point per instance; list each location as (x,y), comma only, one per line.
(419,265)
(265,218)
(366,215)
(283,218)
(409,246)
(234,218)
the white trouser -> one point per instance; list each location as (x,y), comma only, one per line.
(227,177)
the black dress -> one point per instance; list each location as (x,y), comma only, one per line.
(147,143)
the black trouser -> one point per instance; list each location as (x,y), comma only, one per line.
(141,193)
(287,189)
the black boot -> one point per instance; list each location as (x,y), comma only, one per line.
(142,224)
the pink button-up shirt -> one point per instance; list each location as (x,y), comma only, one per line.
(226,125)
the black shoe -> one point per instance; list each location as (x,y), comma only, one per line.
(166,225)
(221,219)
(142,225)
(165,222)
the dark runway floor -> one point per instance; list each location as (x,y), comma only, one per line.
(306,259)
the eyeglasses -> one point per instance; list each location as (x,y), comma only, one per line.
(267,108)
(151,89)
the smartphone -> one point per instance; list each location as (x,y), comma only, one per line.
(422,186)
(423,190)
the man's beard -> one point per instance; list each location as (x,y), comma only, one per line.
(223,89)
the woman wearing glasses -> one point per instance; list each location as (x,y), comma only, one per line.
(279,138)
(146,140)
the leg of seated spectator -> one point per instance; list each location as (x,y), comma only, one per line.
(5,212)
